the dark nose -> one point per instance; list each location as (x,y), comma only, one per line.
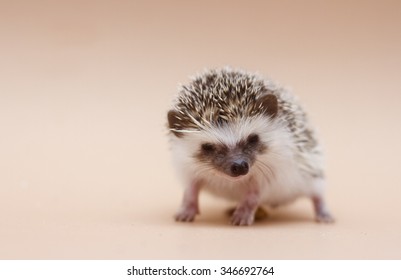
(239,167)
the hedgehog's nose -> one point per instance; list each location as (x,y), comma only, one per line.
(239,167)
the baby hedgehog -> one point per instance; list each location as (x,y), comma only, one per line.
(243,138)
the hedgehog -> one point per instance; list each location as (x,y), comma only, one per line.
(242,137)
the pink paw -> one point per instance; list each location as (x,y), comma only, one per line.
(186,214)
(242,217)
(324,218)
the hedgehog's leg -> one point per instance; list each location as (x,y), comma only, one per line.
(189,207)
(260,213)
(244,214)
(322,213)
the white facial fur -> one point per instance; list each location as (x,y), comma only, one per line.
(274,170)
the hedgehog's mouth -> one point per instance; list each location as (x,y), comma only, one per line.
(236,178)
(229,177)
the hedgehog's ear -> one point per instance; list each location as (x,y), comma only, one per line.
(268,104)
(173,122)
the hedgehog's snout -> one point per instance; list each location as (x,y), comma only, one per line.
(239,167)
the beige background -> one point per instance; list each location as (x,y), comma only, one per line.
(85,169)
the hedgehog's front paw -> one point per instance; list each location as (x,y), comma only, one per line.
(242,217)
(324,217)
(321,212)
(186,214)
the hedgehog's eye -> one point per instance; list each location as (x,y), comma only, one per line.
(253,139)
(208,148)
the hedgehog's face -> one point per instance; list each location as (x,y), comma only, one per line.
(232,160)
(228,144)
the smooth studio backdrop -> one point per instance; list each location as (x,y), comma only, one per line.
(85,168)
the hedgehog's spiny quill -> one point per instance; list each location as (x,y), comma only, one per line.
(218,96)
